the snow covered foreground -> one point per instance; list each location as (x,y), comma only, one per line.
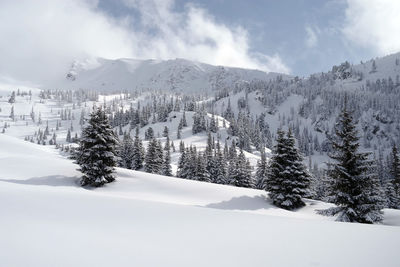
(149,220)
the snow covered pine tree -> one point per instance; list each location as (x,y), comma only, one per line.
(287,179)
(126,152)
(96,154)
(138,152)
(355,187)
(262,171)
(393,183)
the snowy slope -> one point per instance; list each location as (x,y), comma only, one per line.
(50,109)
(150,220)
(178,75)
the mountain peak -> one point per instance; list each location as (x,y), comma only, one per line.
(178,74)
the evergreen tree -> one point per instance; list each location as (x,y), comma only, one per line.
(11,100)
(191,162)
(184,123)
(200,170)
(179,131)
(160,157)
(68,138)
(126,152)
(166,131)
(232,154)
(287,179)
(12,116)
(393,184)
(261,172)
(181,172)
(138,152)
(209,158)
(197,123)
(152,159)
(395,169)
(220,166)
(149,134)
(173,146)
(354,185)
(213,124)
(120,132)
(241,172)
(166,168)
(96,154)
(181,146)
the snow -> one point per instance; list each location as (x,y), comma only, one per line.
(150,220)
(178,75)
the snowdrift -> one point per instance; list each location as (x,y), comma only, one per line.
(151,220)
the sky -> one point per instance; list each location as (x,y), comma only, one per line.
(39,39)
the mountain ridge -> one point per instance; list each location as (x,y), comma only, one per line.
(179,75)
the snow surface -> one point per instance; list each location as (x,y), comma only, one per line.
(178,75)
(151,220)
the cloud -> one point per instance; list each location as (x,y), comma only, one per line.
(311,38)
(373,24)
(40,38)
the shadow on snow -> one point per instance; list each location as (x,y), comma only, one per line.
(52,180)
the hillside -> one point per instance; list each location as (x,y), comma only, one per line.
(145,219)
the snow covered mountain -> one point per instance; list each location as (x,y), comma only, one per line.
(177,75)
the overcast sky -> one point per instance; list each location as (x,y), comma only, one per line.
(40,38)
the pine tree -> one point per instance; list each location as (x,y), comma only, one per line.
(120,132)
(196,127)
(200,170)
(127,152)
(166,131)
(160,157)
(149,134)
(96,154)
(241,173)
(395,169)
(220,166)
(209,158)
(393,184)
(287,179)
(232,154)
(181,172)
(373,67)
(354,184)
(181,146)
(184,123)
(138,152)
(68,138)
(213,124)
(12,98)
(152,160)
(261,172)
(12,116)
(173,146)
(166,168)
(82,118)
(190,163)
